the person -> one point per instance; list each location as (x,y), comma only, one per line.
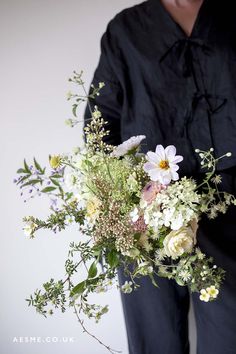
(169,68)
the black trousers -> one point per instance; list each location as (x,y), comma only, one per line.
(157,318)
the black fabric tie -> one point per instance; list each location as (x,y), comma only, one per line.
(214,102)
(207,123)
(183,50)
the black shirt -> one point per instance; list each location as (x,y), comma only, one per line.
(172,88)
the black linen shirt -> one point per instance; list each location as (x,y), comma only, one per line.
(173,88)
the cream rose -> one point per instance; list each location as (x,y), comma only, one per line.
(179,241)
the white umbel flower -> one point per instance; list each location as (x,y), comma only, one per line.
(134,215)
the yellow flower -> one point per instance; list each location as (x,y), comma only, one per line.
(204,295)
(55,161)
(212,291)
(92,208)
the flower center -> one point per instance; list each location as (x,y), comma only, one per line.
(164,164)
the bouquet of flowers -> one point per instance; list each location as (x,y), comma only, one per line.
(132,211)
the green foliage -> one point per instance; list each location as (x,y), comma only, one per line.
(78,289)
(93,270)
(54,295)
(113,258)
(48,189)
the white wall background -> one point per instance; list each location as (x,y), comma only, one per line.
(42,42)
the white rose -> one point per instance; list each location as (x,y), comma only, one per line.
(179,241)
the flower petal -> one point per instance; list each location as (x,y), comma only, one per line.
(173,167)
(165,177)
(148,166)
(175,176)
(153,157)
(160,151)
(170,152)
(155,175)
(177,158)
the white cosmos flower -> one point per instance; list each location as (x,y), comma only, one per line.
(128,145)
(162,165)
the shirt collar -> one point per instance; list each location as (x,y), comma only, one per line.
(170,31)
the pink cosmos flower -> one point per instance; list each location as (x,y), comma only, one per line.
(151,190)
(162,165)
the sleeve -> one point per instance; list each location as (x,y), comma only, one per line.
(110,100)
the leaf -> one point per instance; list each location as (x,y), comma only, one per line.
(37,165)
(78,289)
(92,270)
(23,179)
(193,258)
(153,281)
(48,189)
(61,191)
(55,182)
(68,195)
(97,251)
(74,109)
(21,170)
(56,175)
(113,258)
(32,182)
(179,281)
(88,163)
(26,167)
(93,281)
(137,235)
